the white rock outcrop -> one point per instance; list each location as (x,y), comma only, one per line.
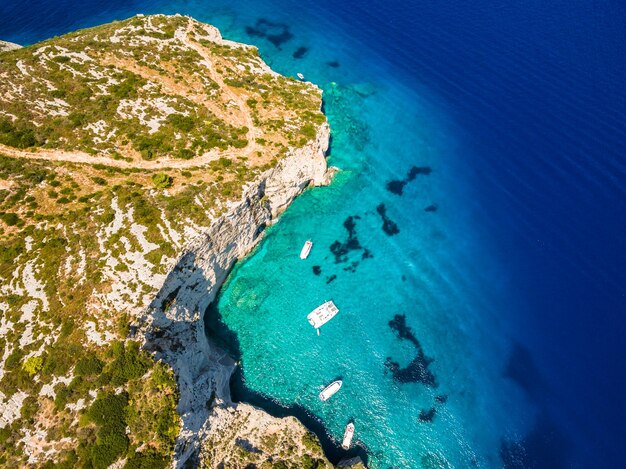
(6,46)
(173,325)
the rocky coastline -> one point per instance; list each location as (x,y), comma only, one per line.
(173,325)
(7,46)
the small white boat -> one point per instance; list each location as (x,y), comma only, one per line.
(322,314)
(347,436)
(300,76)
(331,389)
(306,249)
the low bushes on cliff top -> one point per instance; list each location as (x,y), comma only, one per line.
(162,180)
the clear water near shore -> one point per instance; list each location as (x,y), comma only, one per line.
(476,308)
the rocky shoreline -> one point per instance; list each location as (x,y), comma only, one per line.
(173,325)
(7,46)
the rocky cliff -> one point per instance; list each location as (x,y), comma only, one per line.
(173,326)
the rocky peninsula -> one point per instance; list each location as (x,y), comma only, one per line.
(138,161)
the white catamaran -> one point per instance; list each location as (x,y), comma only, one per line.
(322,314)
(331,389)
(306,249)
(347,436)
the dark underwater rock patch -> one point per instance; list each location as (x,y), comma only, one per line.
(417,170)
(367,254)
(431,208)
(341,249)
(330,279)
(317,269)
(389,226)
(396,186)
(404,332)
(276,33)
(333,64)
(441,398)
(417,370)
(300,52)
(427,416)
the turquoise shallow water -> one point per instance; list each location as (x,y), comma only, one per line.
(507,263)
(431,271)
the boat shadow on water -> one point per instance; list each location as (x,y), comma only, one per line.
(218,333)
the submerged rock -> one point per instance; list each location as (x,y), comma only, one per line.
(389,226)
(396,186)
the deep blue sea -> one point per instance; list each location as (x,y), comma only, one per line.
(474,242)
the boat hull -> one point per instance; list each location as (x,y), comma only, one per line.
(330,390)
(306,249)
(322,314)
(347,437)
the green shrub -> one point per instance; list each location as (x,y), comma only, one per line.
(100,181)
(184,154)
(130,363)
(309,440)
(61,398)
(225,162)
(89,365)
(150,146)
(33,365)
(107,217)
(128,87)
(181,122)
(30,406)
(10,218)
(147,460)
(76,119)
(308,130)
(108,413)
(5,434)
(162,180)
(58,93)
(19,135)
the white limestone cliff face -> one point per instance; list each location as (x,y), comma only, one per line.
(173,325)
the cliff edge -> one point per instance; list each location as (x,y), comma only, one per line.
(138,161)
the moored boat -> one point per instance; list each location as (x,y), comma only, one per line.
(330,390)
(300,76)
(347,436)
(306,249)
(322,314)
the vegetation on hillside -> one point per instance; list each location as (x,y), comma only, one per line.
(85,246)
(151,87)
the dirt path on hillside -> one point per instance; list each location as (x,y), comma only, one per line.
(85,158)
